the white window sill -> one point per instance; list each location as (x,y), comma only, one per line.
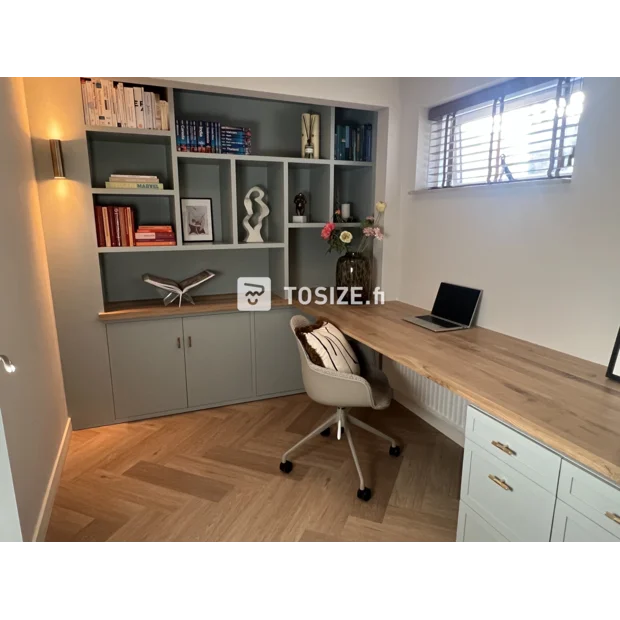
(536,183)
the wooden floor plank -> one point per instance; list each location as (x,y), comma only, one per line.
(214,476)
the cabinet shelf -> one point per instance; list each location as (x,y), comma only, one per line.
(322,224)
(192,247)
(255,158)
(129,131)
(353,164)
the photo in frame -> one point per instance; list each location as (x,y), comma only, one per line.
(197,219)
(613,370)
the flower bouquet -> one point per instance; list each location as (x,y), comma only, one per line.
(340,240)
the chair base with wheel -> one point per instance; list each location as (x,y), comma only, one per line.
(343,391)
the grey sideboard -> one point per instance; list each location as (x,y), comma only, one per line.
(176,364)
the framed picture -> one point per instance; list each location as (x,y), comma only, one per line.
(197,219)
(613,370)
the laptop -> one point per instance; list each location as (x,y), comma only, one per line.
(454,308)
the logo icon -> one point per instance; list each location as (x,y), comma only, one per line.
(254,294)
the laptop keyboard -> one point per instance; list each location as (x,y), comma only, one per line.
(436,321)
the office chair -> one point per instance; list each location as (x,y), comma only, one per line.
(343,391)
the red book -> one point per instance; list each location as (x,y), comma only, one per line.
(123,226)
(130,227)
(154,243)
(116,228)
(99,227)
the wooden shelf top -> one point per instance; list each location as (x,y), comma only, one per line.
(561,401)
(155,309)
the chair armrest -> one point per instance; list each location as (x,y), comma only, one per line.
(337,389)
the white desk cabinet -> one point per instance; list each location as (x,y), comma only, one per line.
(515,489)
(147,362)
(571,526)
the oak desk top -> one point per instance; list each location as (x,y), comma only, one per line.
(155,309)
(562,401)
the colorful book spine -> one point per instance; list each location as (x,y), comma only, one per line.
(201,138)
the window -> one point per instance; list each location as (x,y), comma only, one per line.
(519,130)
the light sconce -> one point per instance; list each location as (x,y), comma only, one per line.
(8,365)
(57,162)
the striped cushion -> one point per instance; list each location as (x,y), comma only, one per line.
(329,344)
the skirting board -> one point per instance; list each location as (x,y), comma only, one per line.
(40,529)
(456,433)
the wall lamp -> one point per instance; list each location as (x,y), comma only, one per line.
(8,365)
(57,162)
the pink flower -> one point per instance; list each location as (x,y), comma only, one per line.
(378,234)
(326,233)
(371,218)
(369,232)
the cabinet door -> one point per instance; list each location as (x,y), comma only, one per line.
(473,528)
(218,354)
(571,526)
(148,366)
(278,368)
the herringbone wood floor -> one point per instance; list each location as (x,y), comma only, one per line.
(213,475)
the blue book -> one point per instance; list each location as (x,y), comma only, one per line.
(176,128)
(201,138)
(182,136)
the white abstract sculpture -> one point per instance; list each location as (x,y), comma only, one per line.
(253,233)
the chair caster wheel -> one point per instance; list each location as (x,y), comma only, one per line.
(326,432)
(394,450)
(364,494)
(286,467)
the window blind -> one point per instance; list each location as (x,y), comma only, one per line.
(523,129)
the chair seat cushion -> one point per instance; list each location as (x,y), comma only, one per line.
(327,347)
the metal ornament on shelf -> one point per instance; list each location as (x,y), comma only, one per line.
(253,232)
(300,209)
(310,136)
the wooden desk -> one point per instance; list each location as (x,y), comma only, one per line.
(560,400)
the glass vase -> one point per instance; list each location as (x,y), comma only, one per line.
(353,271)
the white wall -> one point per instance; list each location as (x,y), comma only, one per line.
(32,399)
(545,254)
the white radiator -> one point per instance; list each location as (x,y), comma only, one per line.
(433,403)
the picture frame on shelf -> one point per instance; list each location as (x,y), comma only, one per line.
(197,217)
(613,370)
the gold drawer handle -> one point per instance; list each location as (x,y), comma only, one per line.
(504,448)
(500,483)
(613,516)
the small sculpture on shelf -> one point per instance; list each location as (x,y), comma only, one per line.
(253,232)
(310,136)
(300,209)
(172,290)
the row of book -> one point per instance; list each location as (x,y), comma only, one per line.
(116,228)
(133,181)
(116,105)
(212,137)
(354,142)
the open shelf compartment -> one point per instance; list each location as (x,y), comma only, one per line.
(313,181)
(210,178)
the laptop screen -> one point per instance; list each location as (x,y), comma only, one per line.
(456,303)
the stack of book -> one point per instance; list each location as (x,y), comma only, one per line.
(116,105)
(115,227)
(354,142)
(155,236)
(212,137)
(133,181)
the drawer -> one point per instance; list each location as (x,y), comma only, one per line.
(590,496)
(571,526)
(514,449)
(514,505)
(473,528)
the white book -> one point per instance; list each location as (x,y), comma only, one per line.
(92,105)
(107,102)
(99,101)
(120,105)
(138,93)
(178,289)
(83,84)
(165,125)
(130,107)
(156,111)
(113,106)
(148,110)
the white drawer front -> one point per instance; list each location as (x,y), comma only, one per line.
(590,496)
(518,508)
(571,526)
(473,528)
(528,457)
